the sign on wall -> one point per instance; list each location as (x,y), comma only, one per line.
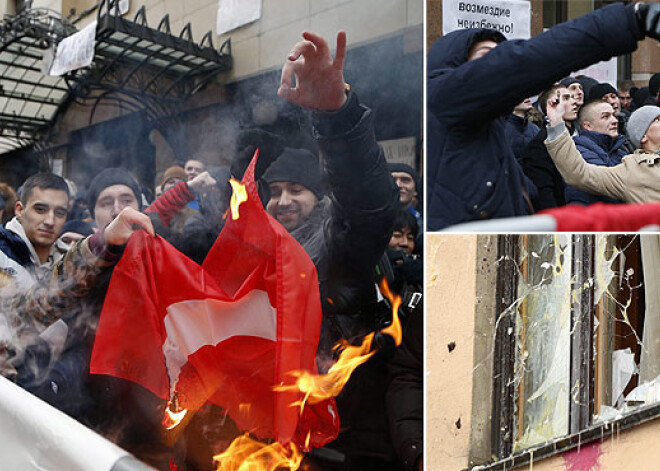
(233,14)
(124,6)
(400,150)
(75,51)
(604,72)
(510,17)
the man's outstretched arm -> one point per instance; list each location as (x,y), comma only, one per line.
(517,69)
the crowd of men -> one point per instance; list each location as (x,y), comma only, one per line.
(492,153)
(58,248)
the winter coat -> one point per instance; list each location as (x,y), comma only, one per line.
(19,259)
(470,165)
(405,394)
(635,180)
(519,133)
(540,169)
(349,233)
(15,258)
(345,235)
(597,149)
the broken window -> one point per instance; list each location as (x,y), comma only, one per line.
(577,334)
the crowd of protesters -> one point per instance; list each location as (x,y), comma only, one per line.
(492,153)
(357,219)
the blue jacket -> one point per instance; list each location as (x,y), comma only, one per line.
(519,133)
(598,149)
(470,164)
(14,247)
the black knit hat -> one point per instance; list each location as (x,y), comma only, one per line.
(79,227)
(109,177)
(297,166)
(654,84)
(587,84)
(597,92)
(398,167)
(568,81)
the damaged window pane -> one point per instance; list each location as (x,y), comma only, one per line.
(543,327)
(567,378)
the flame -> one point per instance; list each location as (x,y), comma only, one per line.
(246,454)
(238,196)
(318,388)
(394,330)
(172,419)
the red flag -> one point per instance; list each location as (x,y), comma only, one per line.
(601,217)
(226,331)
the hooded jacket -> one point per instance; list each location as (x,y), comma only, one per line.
(597,149)
(470,165)
(19,259)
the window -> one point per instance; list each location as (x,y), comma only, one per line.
(575,334)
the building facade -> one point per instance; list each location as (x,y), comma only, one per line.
(384,67)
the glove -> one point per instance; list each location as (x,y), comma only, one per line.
(270,147)
(648,19)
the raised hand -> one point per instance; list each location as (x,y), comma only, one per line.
(123,226)
(319,79)
(556,108)
(201,182)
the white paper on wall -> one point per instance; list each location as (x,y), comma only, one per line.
(400,150)
(75,51)
(511,17)
(233,14)
(124,6)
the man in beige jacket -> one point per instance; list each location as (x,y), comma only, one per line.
(635,180)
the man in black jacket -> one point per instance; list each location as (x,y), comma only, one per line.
(536,161)
(345,236)
(475,77)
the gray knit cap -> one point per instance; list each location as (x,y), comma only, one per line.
(639,123)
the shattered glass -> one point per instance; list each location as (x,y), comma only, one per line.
(543,331)
(625,363)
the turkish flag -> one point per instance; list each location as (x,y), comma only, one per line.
(226,331)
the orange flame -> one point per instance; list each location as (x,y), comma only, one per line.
(172,419)
(246,454)
(238,196)
(318,388)
(394,330)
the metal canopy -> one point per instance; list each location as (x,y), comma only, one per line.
(135,68)
(29,100)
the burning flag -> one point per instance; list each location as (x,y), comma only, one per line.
(226,331)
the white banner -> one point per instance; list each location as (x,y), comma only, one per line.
(124,6)
(233,14)
(512,18)
(36,436)
(75,51)
(604,72)
(400,151)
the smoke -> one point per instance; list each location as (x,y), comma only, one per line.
(50,359)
